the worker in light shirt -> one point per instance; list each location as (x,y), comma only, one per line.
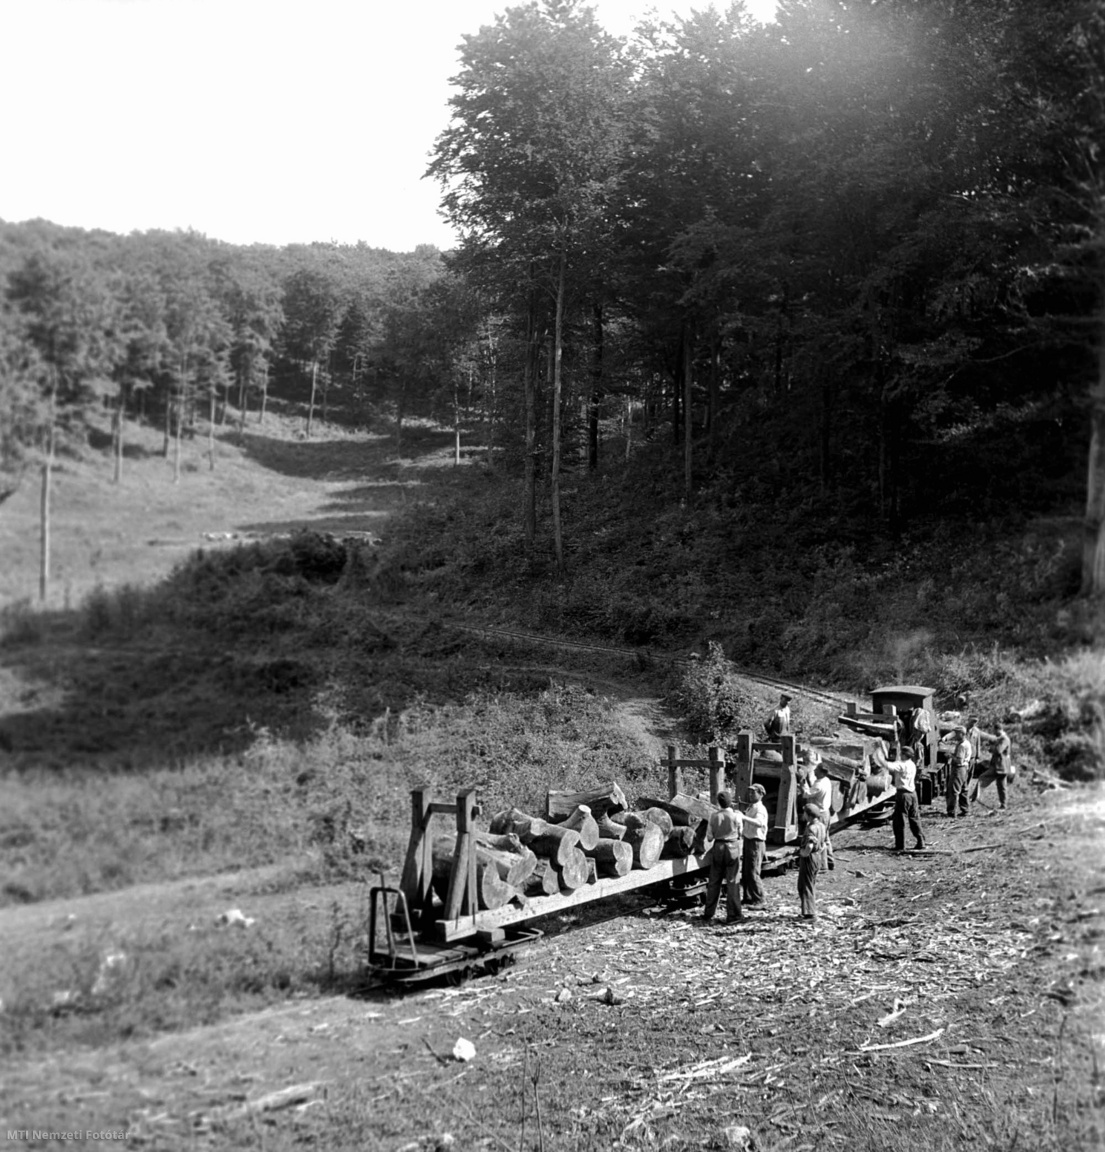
(725,829)
(755,840)
(818,789)
(903,774)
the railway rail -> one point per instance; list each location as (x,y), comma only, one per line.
(645,655)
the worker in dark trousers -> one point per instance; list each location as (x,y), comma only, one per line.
(959,774)
(903,775)
(998,770)
(811,859)
(755,839)
(725,827)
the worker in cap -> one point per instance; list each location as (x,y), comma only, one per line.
(777,724)
(817,789)
(959,774)
(725,828)
(755,843)
(999,768)
(903,775)
(811,859)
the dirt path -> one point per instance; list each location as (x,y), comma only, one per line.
(992,958)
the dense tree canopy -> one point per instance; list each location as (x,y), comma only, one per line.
(850,262)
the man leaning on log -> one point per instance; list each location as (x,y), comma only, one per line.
(725,829)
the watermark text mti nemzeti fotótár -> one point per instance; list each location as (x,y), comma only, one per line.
(25,1135)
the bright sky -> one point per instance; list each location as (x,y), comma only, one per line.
(269,121)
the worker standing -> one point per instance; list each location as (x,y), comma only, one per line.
(724,829)
(811,859)
(997,772)
(755,840)
(974,738)
(903,775)
(959,773)
(777,724)
(818,789)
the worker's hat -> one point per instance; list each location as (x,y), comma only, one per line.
(758,789)
(960,728)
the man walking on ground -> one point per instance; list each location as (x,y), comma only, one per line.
(959,774)
(998,770)
(903,774)
(725,860)
(755,838)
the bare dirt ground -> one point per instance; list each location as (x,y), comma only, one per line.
(943,1001)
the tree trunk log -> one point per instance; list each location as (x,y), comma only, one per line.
(608,830)
(612,857)
(513,861)
(647,843)
(542,838)
(574,869)
(544,881)
(491,890)
(583,822)
(602,800)
(660,818)
(679,843)
(682,808)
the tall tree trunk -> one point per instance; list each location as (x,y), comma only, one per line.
(558,347)
(781,337)
(168,423)
(715,393)
(211,430)
(529,482)
(44,500)
(117,436)
(243,401)
(688,422)
(264,394)
(456,422)
(596,392)
(677,389)
(628,425)
(489,402)
(179,424)
(824,437)
(1093,536)
(399,421)
(311,406)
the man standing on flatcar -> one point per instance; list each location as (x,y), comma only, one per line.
(777,724)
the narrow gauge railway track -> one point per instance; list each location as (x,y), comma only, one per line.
(645,655)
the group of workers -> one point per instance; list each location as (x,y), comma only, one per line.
(739,836)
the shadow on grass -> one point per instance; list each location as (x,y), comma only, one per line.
(330,459)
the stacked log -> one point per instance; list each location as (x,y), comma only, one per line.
(601,800)
(683,809)
(612,857)
(659,817)
(492,891)
(584,823)
(608,830)
(647,842)
(544,880)
(679,844)
(512,859)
